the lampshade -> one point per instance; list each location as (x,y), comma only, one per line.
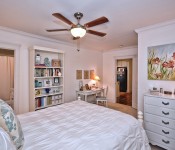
(97,78)
(78,31)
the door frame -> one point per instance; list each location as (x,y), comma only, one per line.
(134,77)
(15,47)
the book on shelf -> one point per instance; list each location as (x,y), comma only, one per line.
(42,101)
(49,100)
(38,102)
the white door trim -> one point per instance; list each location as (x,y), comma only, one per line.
(134,76)
(16,49)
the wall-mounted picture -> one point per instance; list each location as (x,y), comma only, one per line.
(161,62)
(92,74)
(78,74)
(86,74)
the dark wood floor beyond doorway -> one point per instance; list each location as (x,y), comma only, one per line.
(125,98)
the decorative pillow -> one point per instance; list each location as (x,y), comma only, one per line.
(10,123)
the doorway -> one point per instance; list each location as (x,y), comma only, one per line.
(124,81)
(7,76)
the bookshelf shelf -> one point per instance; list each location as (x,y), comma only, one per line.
(44,67)
(46,77)
(50,94)
(48,87)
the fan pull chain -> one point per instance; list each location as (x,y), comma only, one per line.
(78,44)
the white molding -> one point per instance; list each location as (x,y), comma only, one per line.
(151,27)
(121,49)
(34,36)
(47,49)
(16,49)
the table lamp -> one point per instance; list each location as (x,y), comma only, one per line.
(97,79)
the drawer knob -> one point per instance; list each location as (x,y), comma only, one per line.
(165,122)
(166,142)
(165,113)
(165,103)
(165,132)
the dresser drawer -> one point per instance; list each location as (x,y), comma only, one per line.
(160,111)
(160,130)
(168,143)
(162,121)
(162,102)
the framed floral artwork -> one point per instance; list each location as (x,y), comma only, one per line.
(161,62)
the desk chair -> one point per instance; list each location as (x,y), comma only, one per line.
(103,99)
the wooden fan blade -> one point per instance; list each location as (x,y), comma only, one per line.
(96,22)
(54,30)
(61,17)
(96,33)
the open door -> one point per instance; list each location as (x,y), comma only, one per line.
(7,76)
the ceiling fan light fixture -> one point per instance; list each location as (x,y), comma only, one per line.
(78,31)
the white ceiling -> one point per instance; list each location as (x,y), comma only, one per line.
(34,16)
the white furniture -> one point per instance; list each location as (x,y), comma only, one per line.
(46,77)
(87,93)
(159,120)
(103,99)
(79,125)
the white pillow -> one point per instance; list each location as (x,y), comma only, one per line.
(5,141)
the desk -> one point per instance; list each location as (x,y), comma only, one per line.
(90,92)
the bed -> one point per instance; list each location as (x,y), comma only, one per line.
(79,125)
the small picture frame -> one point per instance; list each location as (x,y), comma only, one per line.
(37,92)
(56,81)
(47,82)
(92,74)
(56,63)
(86,74)
(78,74)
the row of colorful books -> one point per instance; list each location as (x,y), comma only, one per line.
(47,72)
(45,101)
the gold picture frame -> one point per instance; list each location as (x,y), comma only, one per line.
(86,74)
(78,74)
(92,74)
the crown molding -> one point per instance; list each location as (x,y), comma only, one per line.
(121,49)
(159,25)
(33,35)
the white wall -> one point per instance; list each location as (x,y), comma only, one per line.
(151,36)
(85,59)
(109,66)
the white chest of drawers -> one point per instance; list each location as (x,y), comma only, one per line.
(159,120)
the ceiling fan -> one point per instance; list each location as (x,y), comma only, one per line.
(78,30)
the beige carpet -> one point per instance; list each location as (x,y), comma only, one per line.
(123,108)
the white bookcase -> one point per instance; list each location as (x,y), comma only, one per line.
(46,77)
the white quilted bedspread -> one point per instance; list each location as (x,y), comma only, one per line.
(82,126)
